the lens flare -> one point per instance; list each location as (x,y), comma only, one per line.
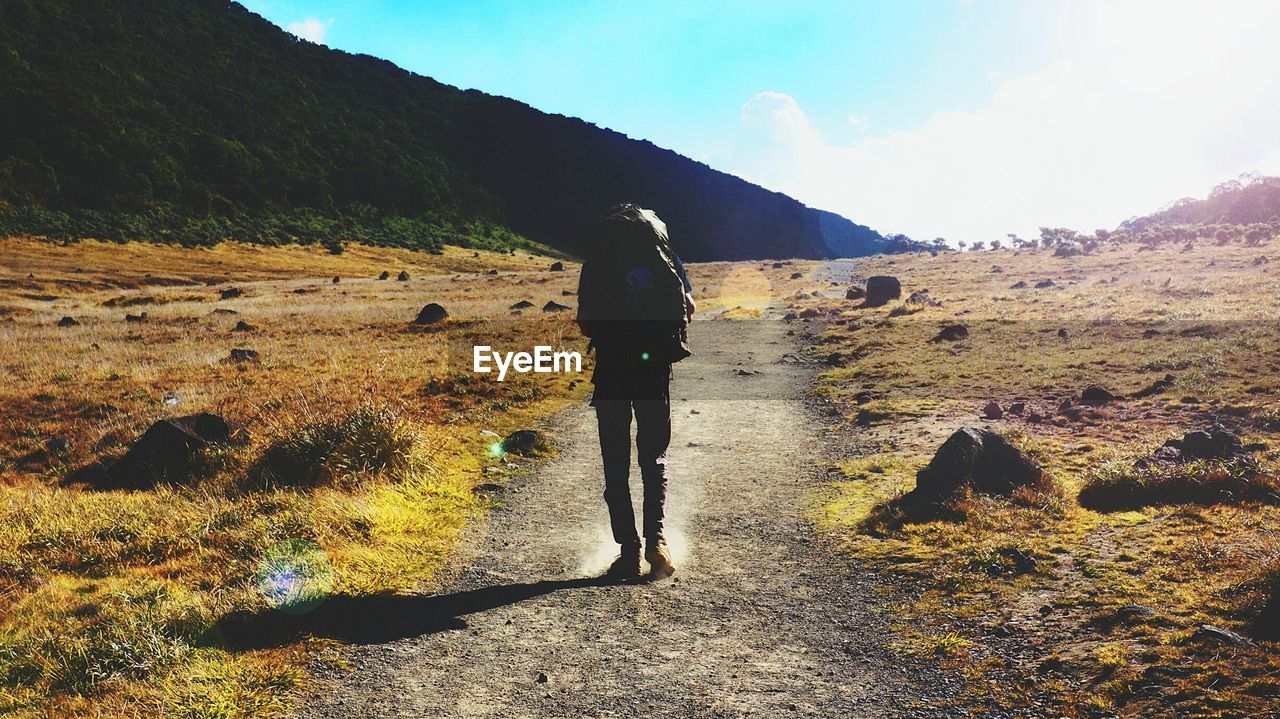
(496,451)
(295,576)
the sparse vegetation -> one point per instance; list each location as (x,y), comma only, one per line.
(352,471)
(1071,611)
(1119,485)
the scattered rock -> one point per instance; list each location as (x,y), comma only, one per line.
(993,410)
(1045,284)
(243,326)
(403,276)
(136,318)
(1019,285)
(336,279)
(979,459)
(1148,334)
(1018,408)
(1062,332)
(1011,562)
(1215,444)
(809,313)
(525,442)
(797,275)
(1068,250)
(541,678)
(1217,635)
(1157,387)
(881,289)
(231,293)
(1097,395)
(430,314)
(68,322)
(553,306)
(385,275)
(789,316)
(492,272)
(522,305)
(951,333)
(165,453)
(855,292)
(1128,614)
(1260,260)
(567,293)
(922,298)
(557,267)
(245,355)
(224,311)
(835,359)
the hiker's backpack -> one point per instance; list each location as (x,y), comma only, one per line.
(630,289)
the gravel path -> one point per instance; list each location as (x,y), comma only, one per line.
(760,620)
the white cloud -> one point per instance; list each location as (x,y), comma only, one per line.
(1156,101)
(312,29)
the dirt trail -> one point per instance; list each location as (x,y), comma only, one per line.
(760,619)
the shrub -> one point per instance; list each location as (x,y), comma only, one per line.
(367,442)
(1120,485)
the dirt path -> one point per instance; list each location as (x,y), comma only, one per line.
(759,621)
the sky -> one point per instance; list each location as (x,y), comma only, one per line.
(962,119)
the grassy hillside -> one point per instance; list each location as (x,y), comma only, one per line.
(196,120)
(1252,199)
(1086,599)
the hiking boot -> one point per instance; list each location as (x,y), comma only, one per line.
(626,566)
(659,559)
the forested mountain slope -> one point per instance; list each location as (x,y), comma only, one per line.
(197,120)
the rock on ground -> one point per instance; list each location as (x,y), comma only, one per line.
(979,459)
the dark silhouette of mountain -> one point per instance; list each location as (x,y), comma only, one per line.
(1250,199)
(197,120)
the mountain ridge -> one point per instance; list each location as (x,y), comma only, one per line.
(198,120)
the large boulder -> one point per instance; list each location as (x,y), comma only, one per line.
(431,314)
(979,459)
(881,289)
(166,453)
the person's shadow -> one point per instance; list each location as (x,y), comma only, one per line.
(379,618)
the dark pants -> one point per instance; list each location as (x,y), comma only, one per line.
(651,403)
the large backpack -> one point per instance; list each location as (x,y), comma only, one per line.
(630,289)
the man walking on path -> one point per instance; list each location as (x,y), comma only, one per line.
(635,303)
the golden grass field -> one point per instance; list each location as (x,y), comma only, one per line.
(1038,640)
(108,597)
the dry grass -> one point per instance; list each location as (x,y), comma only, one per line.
(354,474)
(360,445)
(1121,318)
